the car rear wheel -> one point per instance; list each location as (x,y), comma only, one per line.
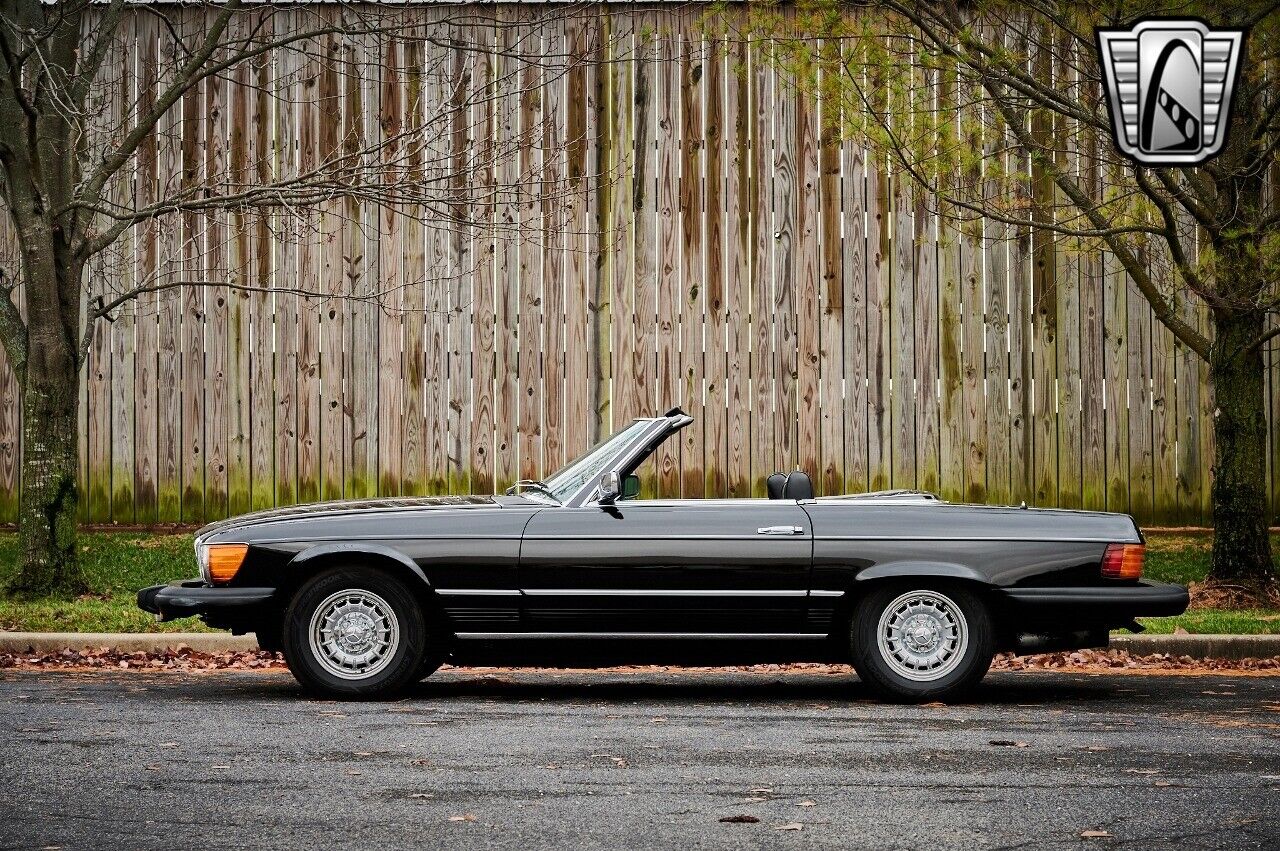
(355,633)
(916,643)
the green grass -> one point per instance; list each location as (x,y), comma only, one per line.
(117,564)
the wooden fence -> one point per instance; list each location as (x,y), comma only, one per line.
(715,250)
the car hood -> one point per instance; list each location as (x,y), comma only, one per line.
(344,506)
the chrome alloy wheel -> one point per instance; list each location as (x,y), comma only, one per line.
(354,634)
(922,635)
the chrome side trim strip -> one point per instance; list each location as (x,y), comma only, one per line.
(821,593)
(719,636)
(791,537)
(967,538)
(477,592)
(656,592)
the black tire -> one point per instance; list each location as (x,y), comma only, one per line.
(319,670)
(952,678)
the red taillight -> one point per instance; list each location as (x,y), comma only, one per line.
(1123,561)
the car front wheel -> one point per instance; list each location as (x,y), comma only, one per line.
(354,633)
(912,644)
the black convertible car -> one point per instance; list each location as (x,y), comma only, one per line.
(365,597)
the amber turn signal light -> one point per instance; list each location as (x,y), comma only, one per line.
(225,560)
(1123,561)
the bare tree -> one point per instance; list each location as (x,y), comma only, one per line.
(78,148)
(997,109)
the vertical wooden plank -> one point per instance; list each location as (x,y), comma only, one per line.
(194,461)
(532,320)
(460,318)
(391,273)
(240,259)
(1021,310)
(1066,157)
(829,477)
(310,277)
(715,363)
(287,89)
(903,402)
(995,239)
(219,329)
(1093,494)
(808,288)
(854,259)
(1141,459)
(169,301)
(119,270)
(953,443)
(737,234)
(603,155)
(926,300)
(507,281)
(1116,400)
(667,383)
(764,439)
(482,292)
(359,272)
(1045,299)
(784,203)
(879,327)
(146,274)
(693,256)
(332,307)
(437,84)
(643,287)
(580,36)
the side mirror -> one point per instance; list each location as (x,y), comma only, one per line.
(631,487)
(610,487)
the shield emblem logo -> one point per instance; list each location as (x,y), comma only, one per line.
(1169,85)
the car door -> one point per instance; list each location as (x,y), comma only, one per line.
(667,566)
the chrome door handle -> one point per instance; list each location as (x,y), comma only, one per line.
(779,530)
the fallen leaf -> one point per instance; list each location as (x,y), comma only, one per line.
(759,791)
(363,753)
(935,704)
(1094,834)
(219,766)
(1097,748)
(355,773)
(1008,743)
(464,817)
(806,804)
(1164,783)
(167,745)
(791,825)
(742,819)
(422,794)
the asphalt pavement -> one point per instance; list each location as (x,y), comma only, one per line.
(541,759)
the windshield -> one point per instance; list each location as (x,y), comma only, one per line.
(589,466)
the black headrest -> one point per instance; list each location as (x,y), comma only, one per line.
(774,485)
(798,486)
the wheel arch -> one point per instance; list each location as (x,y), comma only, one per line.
(315,559)
(903,573)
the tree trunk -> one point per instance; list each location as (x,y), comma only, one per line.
(1241,544)
(47,509)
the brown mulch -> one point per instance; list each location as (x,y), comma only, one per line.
(1212,594)
(184,659)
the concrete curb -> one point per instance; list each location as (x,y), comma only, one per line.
(1201,646)
(1195,646)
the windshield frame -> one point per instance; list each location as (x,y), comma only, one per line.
(645,430)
